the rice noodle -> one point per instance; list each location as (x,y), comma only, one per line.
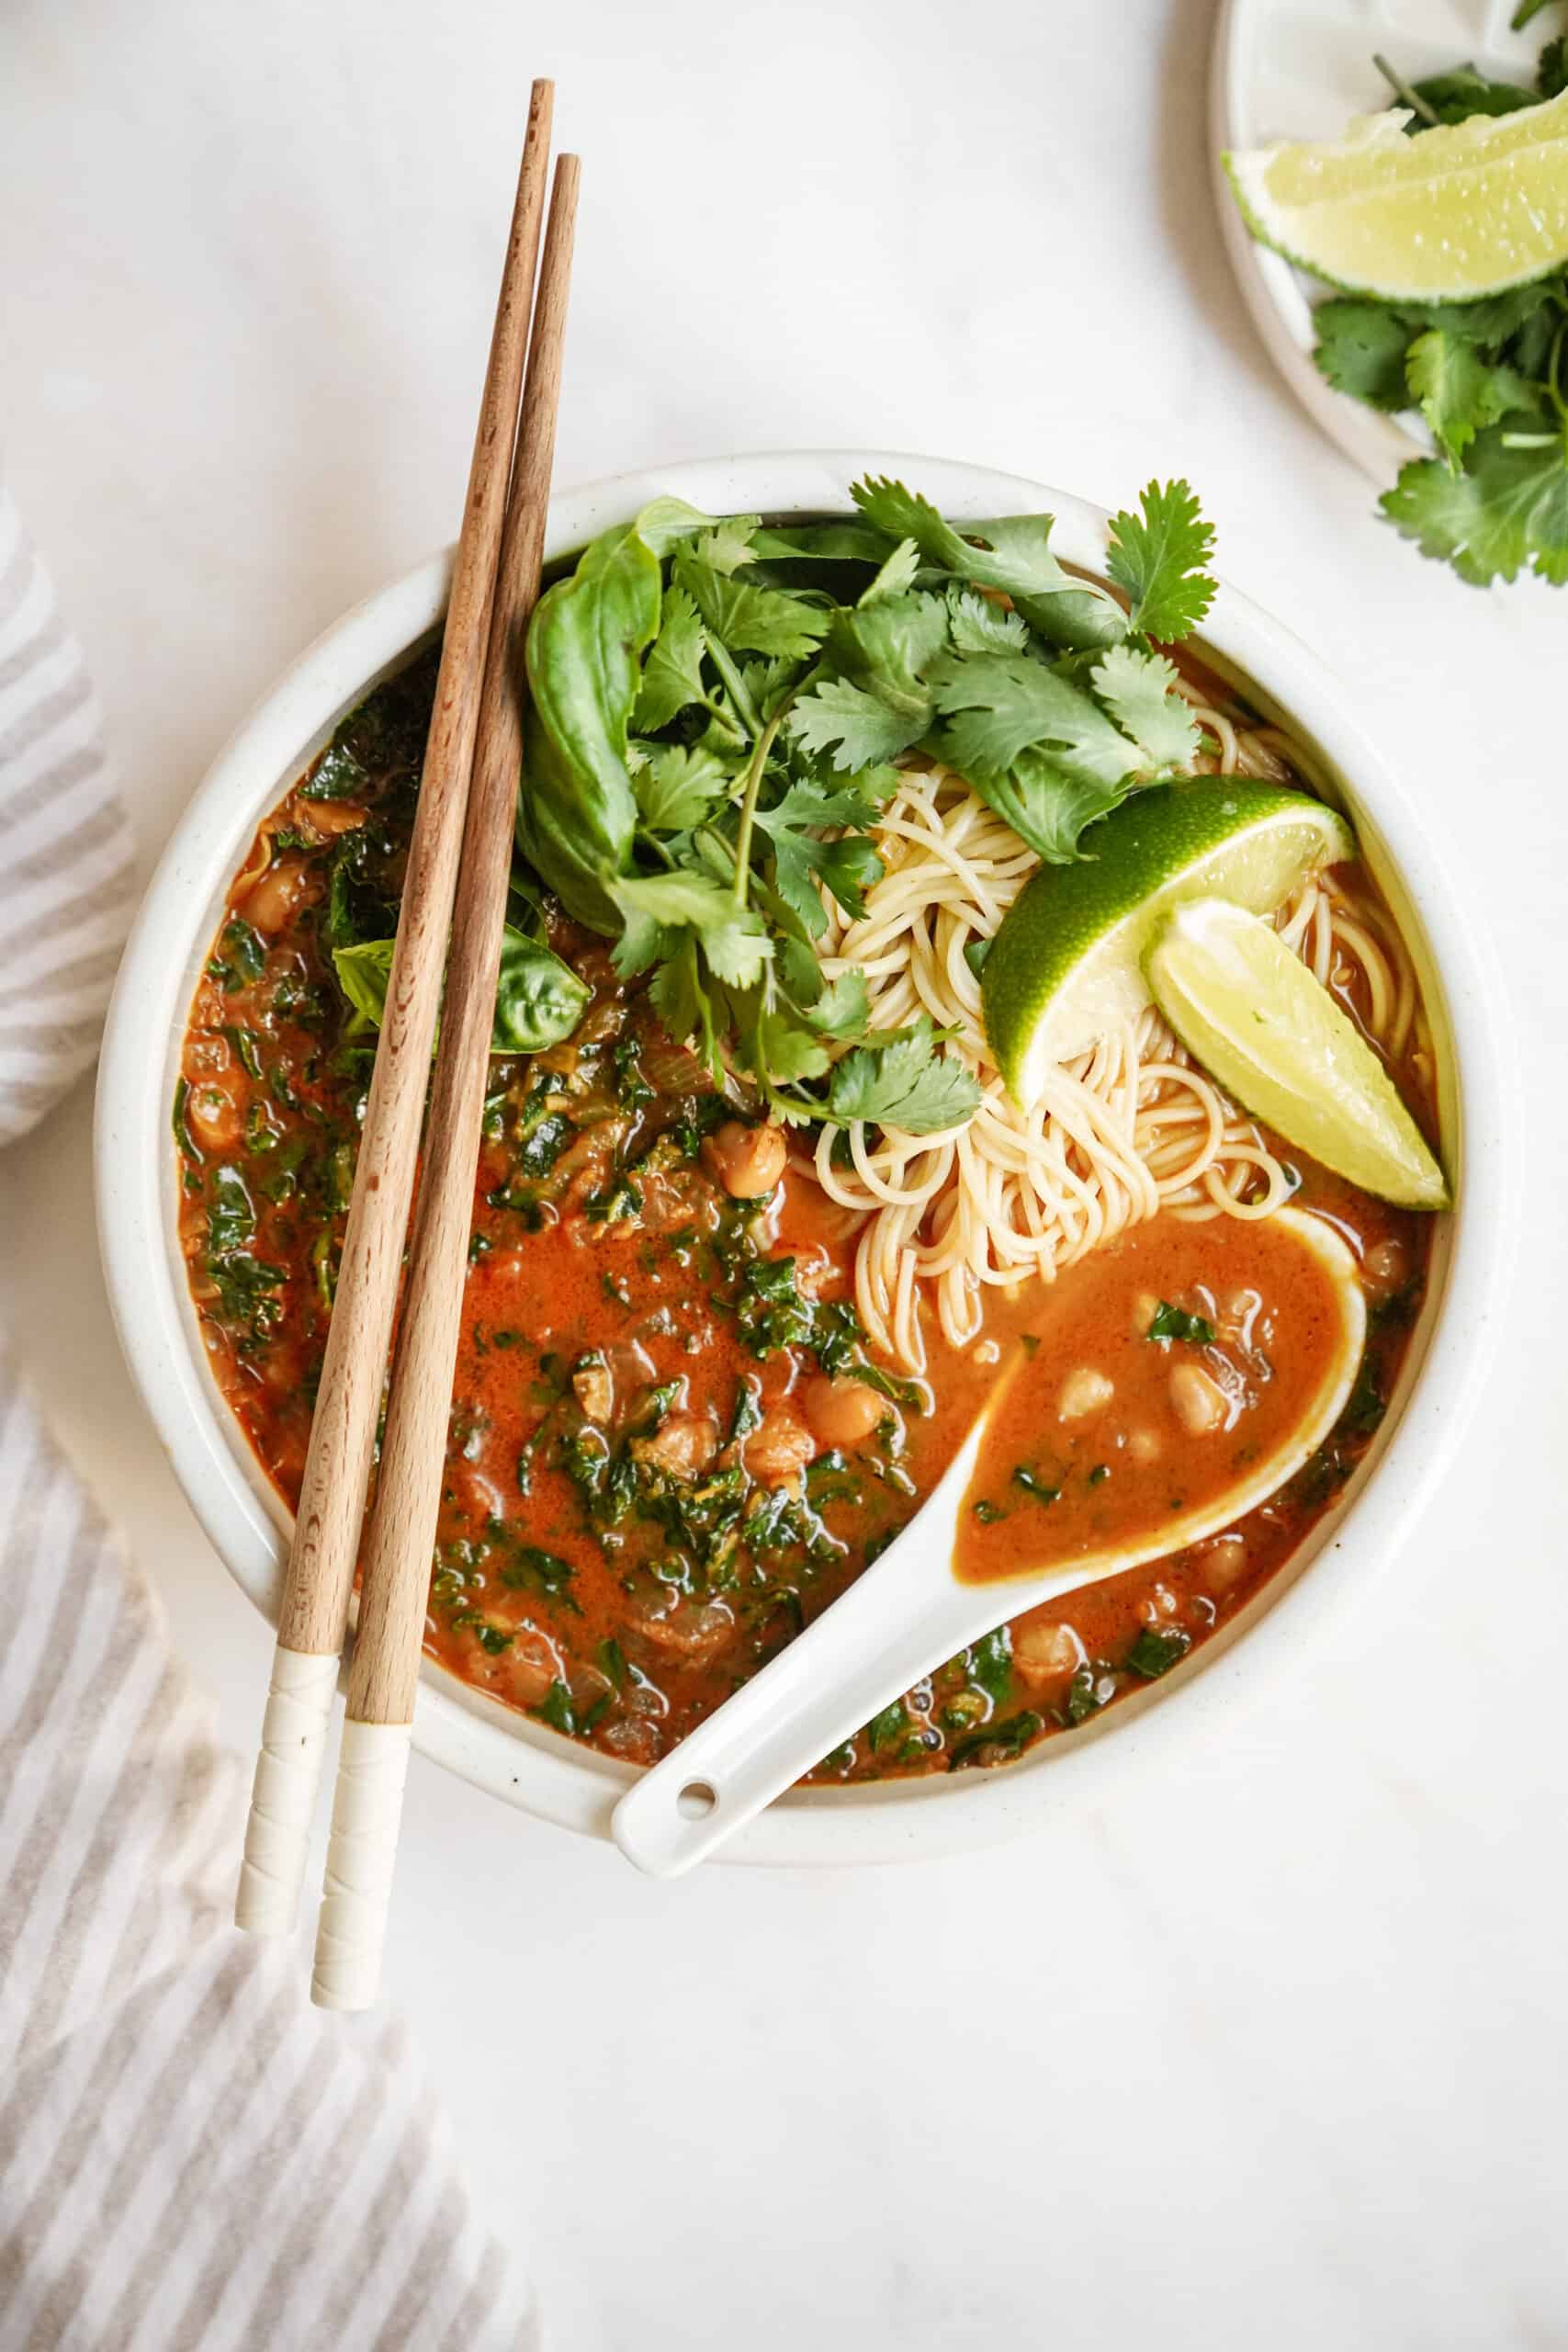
(1126,1130)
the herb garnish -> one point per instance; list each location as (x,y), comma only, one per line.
(710,732)
(1170,1322)
(1489,376)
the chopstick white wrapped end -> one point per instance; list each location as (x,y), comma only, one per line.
(373,1764)
(283,1796)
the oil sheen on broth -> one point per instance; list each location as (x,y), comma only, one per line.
(669,1447)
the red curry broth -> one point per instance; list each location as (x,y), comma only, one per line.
(1147,1381)
(617,1299)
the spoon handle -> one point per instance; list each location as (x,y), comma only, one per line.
(903,1617)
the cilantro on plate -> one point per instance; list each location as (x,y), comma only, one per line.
(1489,376)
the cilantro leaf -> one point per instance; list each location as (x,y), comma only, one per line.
(895,575)
(857,728)
(1360,350)
(1170,1322)
(672,676)
(1157,1650)
(904,1083)
(1046,806)
(1141,693)
(1161,558)
(1524,12)
(1551,74)
(678,788)
(1459,391)
(843,1008)
(748,619)
(1456,96)
(733,938)
(1506,512)
(847,867)
(729,544)
(1011,554)
(1493,318)
(767,683)
(998,705)
(889,646)
(978,625)
(789,1049)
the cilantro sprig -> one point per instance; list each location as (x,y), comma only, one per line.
(715,712)
(1490,377)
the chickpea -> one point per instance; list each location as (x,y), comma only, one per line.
(215,1114)
(1383,1268)
(841,1411)
(1225,1562)
(1146,1306)
(283,889)
(1046,1653)
(748,1161)
(682,1445)
(780,1447)
(1198,1402)
(1083,1394)
(1144,1445)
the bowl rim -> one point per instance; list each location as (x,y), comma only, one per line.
(526,1763)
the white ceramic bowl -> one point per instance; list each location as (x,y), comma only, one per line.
(520,1761)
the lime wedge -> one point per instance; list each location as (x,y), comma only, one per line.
(1065,966)
(1256,1018)
(1465,210)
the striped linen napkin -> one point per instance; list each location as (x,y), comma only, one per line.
(192,2158)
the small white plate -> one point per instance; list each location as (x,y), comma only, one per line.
(1300,68)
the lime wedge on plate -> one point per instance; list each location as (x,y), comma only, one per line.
(1258,1022)
(1066,963)
(1465,210)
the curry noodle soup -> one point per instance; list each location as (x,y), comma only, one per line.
(711,1360)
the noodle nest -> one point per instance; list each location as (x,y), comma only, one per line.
(1121,1132)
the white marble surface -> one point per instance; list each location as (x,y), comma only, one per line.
(1273,2056)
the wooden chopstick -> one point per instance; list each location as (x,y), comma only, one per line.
(313,1614)
(384,1674)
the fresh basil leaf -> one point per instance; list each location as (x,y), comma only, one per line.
(539,1000)
(576,816)
(363,972)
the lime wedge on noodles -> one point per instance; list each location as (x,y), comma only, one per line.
(1465,210)
(1066,963)
(1258,1022)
